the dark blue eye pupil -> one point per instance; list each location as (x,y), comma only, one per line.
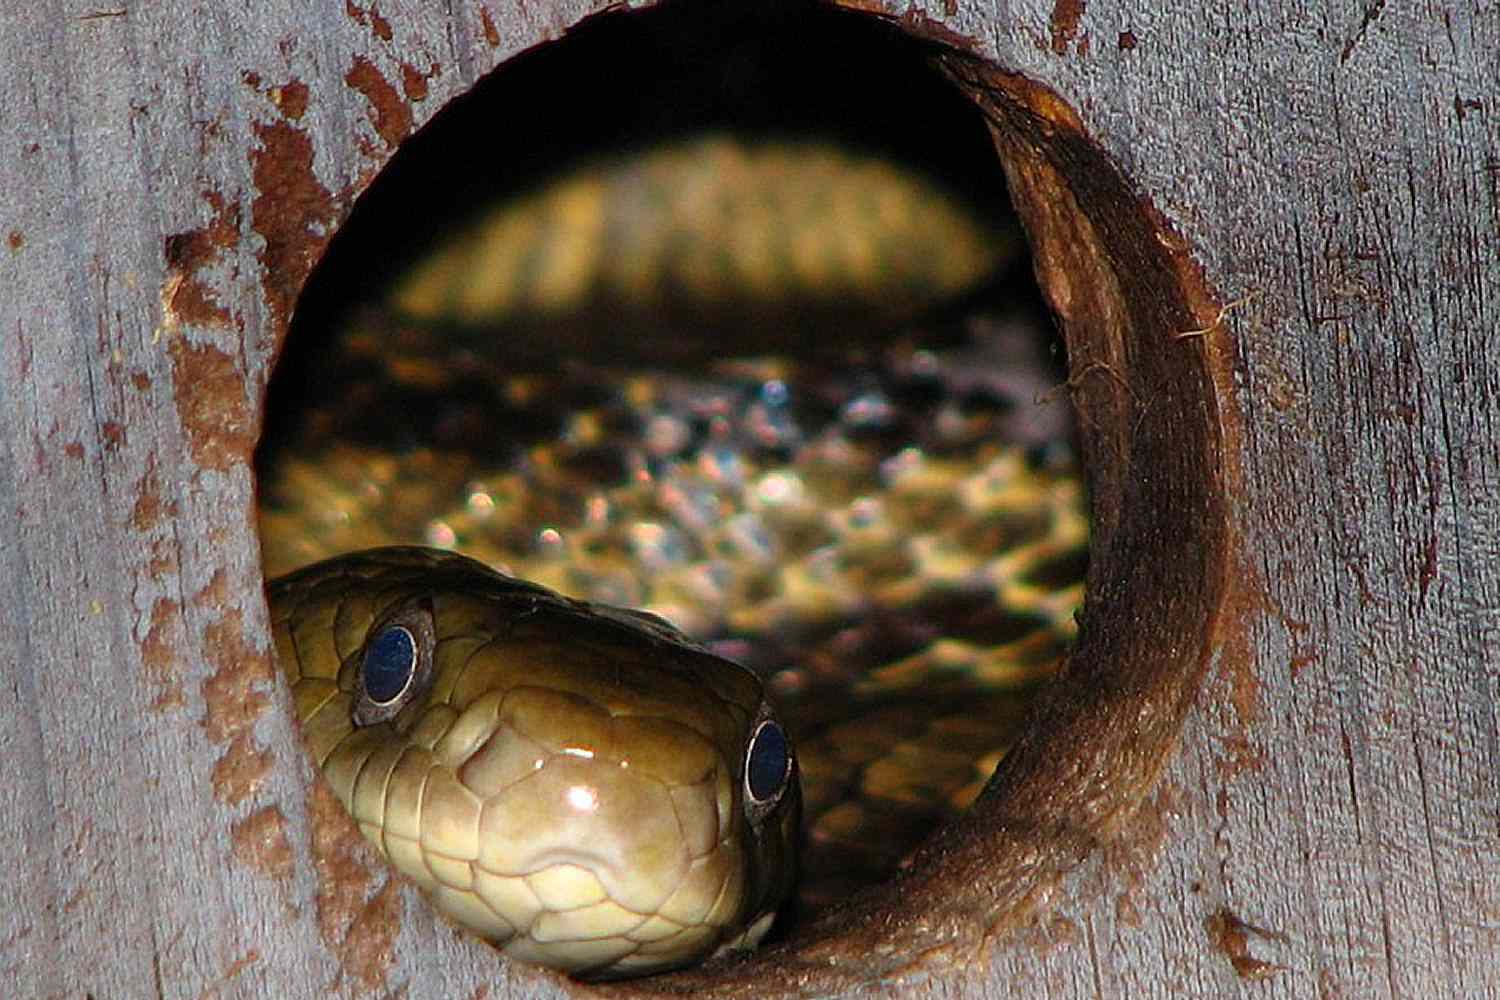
(390,660)
(766,768)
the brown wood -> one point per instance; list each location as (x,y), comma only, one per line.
(1289,646)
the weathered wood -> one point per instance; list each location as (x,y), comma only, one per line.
(1330,824)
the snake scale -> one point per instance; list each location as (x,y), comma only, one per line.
(656,383)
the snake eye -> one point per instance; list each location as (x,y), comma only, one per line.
(390,663)
(395,664)
(768,763)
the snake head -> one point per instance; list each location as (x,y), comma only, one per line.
(583,786)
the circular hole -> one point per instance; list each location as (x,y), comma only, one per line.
(870,496)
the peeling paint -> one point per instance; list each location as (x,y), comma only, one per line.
(354,922)
(236,694)
(113,433)
(491,33)
(1299,663)
(1066,15)
(216,413)
(379,26)
(370,946)
(292,212)
(290,99)
(341,858)
(1231,935)
(215,594)
(414,81)
(238,966)
(1238,754)
(159,656)
(149,510)
(259,841)
(163,557)
(186,297)
(234,697)
(389,113)
(240,772)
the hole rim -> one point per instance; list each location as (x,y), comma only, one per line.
(1126,392)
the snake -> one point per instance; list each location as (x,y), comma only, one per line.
(582,783)
(621,651)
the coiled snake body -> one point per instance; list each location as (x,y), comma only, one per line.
(887,538)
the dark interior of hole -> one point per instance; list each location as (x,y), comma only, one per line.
(625,81)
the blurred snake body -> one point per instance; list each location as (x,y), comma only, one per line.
(588,787)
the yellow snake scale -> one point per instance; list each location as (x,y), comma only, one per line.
(886,542)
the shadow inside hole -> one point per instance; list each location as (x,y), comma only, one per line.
(632,83)
(882,685)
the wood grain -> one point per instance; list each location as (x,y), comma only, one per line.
(1329,822)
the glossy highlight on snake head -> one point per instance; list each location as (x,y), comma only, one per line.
(583,786)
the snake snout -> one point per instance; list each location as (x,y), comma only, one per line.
(600,837)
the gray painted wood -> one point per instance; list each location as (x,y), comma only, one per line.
(1336,784)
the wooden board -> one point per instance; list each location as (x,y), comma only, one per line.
(1330,824)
